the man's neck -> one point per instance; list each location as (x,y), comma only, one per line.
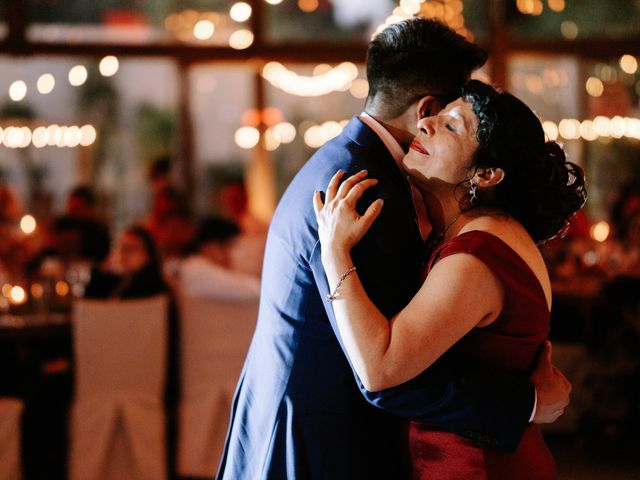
(397,127)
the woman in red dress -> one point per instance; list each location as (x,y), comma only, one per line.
(494,190)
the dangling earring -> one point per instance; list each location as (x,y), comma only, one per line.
(473,194)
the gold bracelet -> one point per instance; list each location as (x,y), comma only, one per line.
(333,296)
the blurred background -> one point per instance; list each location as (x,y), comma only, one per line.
(191,117)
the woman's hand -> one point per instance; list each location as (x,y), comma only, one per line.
(340,226)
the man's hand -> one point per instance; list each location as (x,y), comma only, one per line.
(552,388)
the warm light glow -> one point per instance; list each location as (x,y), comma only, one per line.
(530,7)
(36,290)
(6,289)
(338,78)
(629,64)
(359,88)
(247,137)
(72,136)
(321,69)
(53,132)
(569,128)
(17,90)
(273,2)
(602,126)
(203,29)
(241,39)
(109,66)
(62,288)
(318,135)
(60,136)
(87,135)
(78,75)
(240,12)
(594,86)
(410,7)
(28,224)
(617,127)
(284,132)
(587,131)
(46,83)
(600,231)
(550,129)
(308,6)
(17,295)
(271,140)
(556,5)
(569,30)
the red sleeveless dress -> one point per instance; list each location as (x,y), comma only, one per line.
(511,343)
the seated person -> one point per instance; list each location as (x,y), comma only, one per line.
(208,274)
(137,269)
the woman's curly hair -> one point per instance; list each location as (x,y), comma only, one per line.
(540,189)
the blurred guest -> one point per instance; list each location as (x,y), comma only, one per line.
(166,203)
(208,273)
(81,203)
(160,174)
(175,235)
(10,207)
(248,250)
(137,269)
(612,378)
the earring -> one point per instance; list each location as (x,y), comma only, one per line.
(473,192)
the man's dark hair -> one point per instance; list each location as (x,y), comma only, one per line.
(415,58)
(216,229)
(85,193)
(160,167)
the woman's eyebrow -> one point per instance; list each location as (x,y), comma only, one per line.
(459,116)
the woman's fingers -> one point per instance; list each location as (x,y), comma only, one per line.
(317,202)
(358,189)
(372,213)
(332,188)
(347,185)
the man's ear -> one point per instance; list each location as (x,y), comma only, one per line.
(427,106)
(487,177)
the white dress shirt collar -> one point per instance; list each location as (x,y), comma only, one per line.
(391,143)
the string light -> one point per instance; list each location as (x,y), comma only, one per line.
(78,75)
(240,12)
(339,78)
(28,224)
(590,130)
(247,137)
(594,86)
(46,83)
(17,90)
(241,39)
(629,64)
(109,66)
(569,30)
(51,135)
(203,30)
(600,231)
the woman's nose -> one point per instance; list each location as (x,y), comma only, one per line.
(426,125)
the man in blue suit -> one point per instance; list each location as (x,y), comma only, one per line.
(300,411)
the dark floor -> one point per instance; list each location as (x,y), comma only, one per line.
(602,459)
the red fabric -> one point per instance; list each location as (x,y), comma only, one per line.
(512,343)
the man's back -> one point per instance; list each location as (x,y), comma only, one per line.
(298,412)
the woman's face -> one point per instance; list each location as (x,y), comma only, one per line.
(131,256)
(441,152)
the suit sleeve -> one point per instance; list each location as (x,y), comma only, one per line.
(486,405)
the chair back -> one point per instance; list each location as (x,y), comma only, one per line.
(214,337)
(120,345)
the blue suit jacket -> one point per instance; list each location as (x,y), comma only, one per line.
(300,411)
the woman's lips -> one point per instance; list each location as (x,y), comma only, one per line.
(418,147)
